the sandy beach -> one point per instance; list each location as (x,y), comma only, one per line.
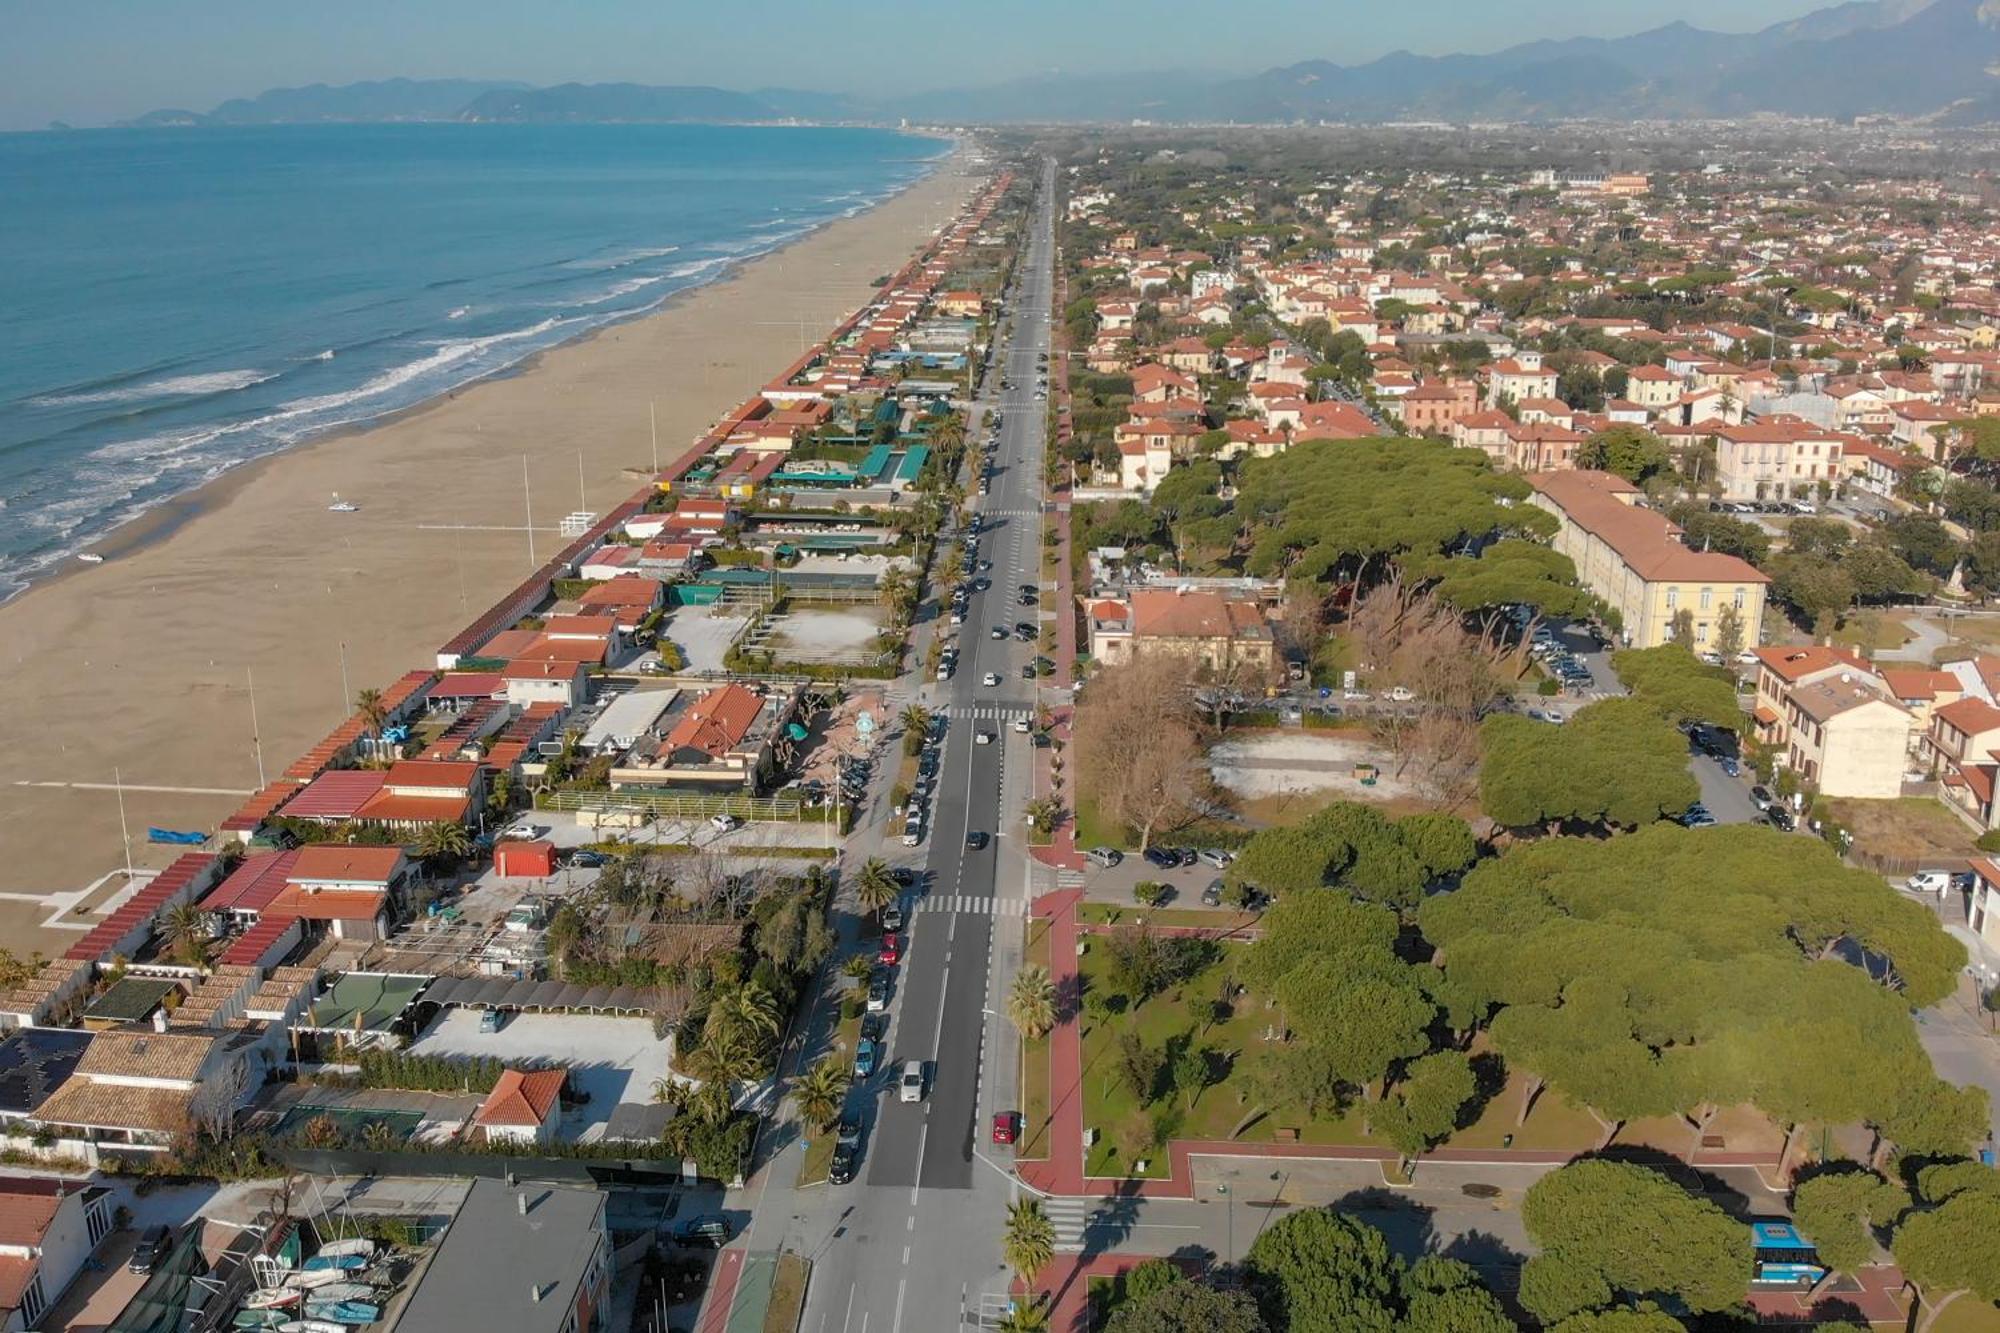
(141,668)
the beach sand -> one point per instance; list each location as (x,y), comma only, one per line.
(142,667)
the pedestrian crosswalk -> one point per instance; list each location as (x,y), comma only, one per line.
(971,904)
(1070,879)
(1071,1218)
(985,712)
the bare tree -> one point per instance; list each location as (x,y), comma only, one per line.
(212,1109)
(1137,737)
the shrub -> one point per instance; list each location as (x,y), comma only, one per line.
(1150,893)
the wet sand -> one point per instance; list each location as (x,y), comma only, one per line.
(142,667)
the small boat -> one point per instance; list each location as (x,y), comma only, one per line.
(340,506)
(259,1319)
(90,557)
(311,1326)
(270,1298)
(341,1262)
(344,1312)
(360,1245)
(311,1279)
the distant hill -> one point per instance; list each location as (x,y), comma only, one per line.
(1917,58)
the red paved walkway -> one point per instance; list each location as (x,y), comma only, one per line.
(721,1292)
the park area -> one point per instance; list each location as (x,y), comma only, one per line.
(1197,1046)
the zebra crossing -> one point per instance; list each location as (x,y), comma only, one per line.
(970,904)
(1070,879)
(1071,1218)
(985,712)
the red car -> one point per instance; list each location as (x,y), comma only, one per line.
(892,950)
(1003,1127)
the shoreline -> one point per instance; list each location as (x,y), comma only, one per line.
(159,522)
(229,628)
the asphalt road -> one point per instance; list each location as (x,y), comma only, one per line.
(914,1241)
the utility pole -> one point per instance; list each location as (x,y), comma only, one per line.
(125,833)
(528,509)
(653,416)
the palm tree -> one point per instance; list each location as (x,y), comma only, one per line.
(442,842)
(820,1092)
(1029,1316)
(189,932)
(368,703)
(378,1135)
(1031,1002)
(1030,1239)
(874,887)
(749,1013)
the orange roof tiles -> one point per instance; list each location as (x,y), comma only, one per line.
(522,1098)
(717,722)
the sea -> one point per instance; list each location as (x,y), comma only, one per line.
(176,302)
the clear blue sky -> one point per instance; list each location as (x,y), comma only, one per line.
(91,61)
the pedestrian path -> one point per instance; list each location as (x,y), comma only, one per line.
(1071,1218)
(971,903)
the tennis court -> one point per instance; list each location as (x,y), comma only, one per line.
(349,1120)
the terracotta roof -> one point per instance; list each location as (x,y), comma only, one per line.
(1644,539)
(522,1098)
(1794,661)
(1173,613)
(717,722)
(390,808)
(1971,716)
(162,1055)
(118,1106)
(251,886)
(328,904)
(329,863)
(16,1271)
(1918,683)
(27,1205)
(336,794)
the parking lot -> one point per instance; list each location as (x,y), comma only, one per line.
(611,1059)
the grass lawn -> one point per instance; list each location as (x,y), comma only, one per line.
(1873,632)
(1982,631)
(1914,827)
(1034,1093)
(788,1294)
(819,1148)
(1968,1314)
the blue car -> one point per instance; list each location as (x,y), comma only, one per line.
(865,1054)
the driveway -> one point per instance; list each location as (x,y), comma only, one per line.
(614,1060)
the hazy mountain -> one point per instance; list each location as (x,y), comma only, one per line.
(1902,57)
(617,102)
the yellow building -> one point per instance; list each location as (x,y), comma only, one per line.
(1633,558)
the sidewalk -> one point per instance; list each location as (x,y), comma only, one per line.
(1061,851)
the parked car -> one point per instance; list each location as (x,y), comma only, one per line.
(1760,796)
(492,1020)
(1004,1126)
(910,1088)
(709,1229)
(846,1157)
(523,830)
(1697,816)
(892,917)
(878,993)
(1104,857)
(1022,725)
(1162,857)
(1400,694)
(866,1053)
(1212,895)
(891,952)
(1781,818)
(724,823)
(1928,881)
(152,1247)
(905,877)
(1215,856)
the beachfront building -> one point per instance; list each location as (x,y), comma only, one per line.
(523,1107)
(49,1228)
(730,736)
(1634,559)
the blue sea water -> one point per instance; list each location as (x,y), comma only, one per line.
(176,302)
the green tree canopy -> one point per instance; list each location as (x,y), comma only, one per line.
(1672,680)
(1507,573)
(1188,1307)
(1322,1270)
(1325,507)
(1839,1211)
(1633,452)
(1423,1108)
(1361,849)
(1659,972)
(1614,1232)
(1446,1296)
(1615,763)
(1953,1249)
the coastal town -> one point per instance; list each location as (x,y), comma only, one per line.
(1280,731)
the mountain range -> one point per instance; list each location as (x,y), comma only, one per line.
(1909,58)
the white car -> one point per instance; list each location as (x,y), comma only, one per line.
(724,823)
(910,1087)
(1401,694)
(1022,725)
(982,738)
(991,678)
(522,831)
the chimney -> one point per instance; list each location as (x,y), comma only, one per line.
(160,1019)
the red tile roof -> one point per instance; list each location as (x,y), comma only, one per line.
(524,1098)
(330,863)
(251,886)
(336,795)
(717,722)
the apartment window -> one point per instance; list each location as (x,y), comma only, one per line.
(1673,595)
(1706,593)
(1701,632)
(33,1302)
(1739,599)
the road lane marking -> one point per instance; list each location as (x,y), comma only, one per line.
(901,1287)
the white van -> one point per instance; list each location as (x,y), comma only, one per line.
(1928,881)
